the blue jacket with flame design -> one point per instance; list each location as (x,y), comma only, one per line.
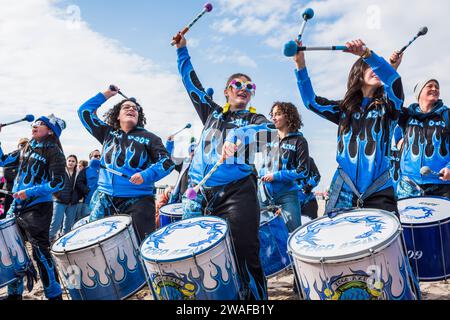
(216,125)
(287,159)
(426,142)
(138,151)
(364,151)
(41,172)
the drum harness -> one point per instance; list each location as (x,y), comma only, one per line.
(343,177)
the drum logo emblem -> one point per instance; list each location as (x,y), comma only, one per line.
(355,287)
(174,288)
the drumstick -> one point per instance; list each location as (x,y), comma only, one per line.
(6,192)
(206,8)
(117,173)
(191,193)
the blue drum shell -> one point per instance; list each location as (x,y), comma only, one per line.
(429,256)
(273,251)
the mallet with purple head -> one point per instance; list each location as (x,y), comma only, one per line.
(206,8)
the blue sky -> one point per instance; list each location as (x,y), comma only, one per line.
(59,62)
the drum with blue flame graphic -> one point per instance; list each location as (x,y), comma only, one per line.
(170,213)
(426,224)
(100,260)
(356,255)
(192,259)
(13,256)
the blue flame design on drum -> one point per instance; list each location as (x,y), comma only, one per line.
(312,230)
(191,260)
(355,286)
(13,256)
(102,261)
(427,212)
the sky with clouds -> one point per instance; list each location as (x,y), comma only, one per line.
(55,54)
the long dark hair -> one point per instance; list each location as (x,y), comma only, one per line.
(354,96)
(290,111)
(113,113)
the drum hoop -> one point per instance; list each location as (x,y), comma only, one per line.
(168,214)
(428,223)
(93,244)
(348,257)
(185,257)
(269,221)
(5,224)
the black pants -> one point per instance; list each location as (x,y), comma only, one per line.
(310,209)
(239,205)
(141,211)
(34,224)
(383,200)
(437,190)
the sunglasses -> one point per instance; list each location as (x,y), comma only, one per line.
(97,156)
(127,107)
(38,123)
(239,85)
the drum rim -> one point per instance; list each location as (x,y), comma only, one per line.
(270,220)
(162,213)
(224,236)
(6,223)
(427,224)
(347,257)
(128,224)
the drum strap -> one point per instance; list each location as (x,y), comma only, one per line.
(344,178)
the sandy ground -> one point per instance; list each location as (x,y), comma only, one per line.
(280,288)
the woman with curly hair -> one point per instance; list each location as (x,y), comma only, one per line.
(131,150)
(291,163)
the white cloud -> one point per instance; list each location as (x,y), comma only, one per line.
(48,65)
(223,54)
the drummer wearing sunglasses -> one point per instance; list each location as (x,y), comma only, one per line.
(41,164)
(231,192)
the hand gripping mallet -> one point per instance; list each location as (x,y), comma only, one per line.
(290,48)
(97,165)
(426,171)
(207,8)
(421,32)
(191,193)
(113,88)
(28,118)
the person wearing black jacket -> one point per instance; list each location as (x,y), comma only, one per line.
(182,166)
(66,201)
(10,174)
(40,174)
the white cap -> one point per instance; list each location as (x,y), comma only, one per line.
(420,85)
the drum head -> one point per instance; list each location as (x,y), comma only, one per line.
(424,210)
(172,210)
(184,239)
(348,236)
(91,234)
